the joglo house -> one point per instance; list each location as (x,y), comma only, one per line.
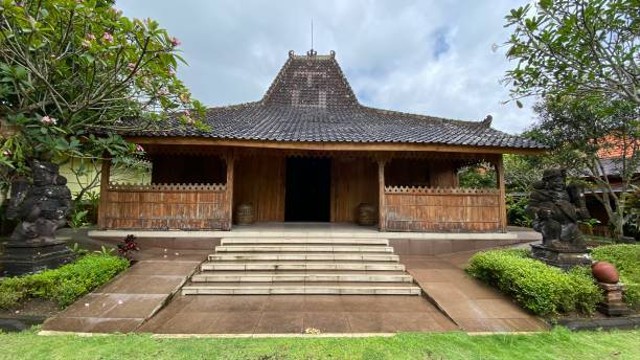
(308,151)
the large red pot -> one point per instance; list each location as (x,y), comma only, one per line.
(605,272)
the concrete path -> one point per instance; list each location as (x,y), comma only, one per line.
(132,298)
(135,302)
(472,305)
(297,314)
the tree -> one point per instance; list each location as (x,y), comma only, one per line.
(577,48)
(596,140)
(72,75)
(478,176)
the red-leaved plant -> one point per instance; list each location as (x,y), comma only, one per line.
(128,246)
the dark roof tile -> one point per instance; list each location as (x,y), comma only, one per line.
(310,100)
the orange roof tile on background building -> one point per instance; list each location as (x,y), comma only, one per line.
(617,147)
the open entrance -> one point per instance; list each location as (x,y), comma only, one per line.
(308,189)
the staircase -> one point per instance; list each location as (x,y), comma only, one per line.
(320,264)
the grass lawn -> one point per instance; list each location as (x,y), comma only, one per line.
(557,344)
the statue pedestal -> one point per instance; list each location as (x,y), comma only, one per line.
(612,304)
(562,258)
(27,258)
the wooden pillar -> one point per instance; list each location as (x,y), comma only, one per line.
(382,211)
(503,206)
(105,174)
(230,159)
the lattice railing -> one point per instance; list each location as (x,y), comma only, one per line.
(167,187)
(439,191)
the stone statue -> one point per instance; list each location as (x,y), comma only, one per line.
(556,209)
(41,207)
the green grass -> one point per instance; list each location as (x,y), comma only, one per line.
(557,344)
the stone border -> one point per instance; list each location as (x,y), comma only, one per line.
(610,323)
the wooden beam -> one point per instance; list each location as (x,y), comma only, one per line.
(105,175)
(230,159)
(333,146)
(382,211)
(503,206)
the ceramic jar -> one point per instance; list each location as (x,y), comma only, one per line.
(605,272)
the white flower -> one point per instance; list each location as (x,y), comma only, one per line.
(107,37)
(47,120)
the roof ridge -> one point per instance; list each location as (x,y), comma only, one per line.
(277,78)
(235,106)
(468,123)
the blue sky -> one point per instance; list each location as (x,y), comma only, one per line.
(433,57)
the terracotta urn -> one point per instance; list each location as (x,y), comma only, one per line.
(605,272)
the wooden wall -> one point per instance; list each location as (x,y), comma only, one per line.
(166,207)
(442,210)
(353,181)
(260,180)
(188,169)
(421,172)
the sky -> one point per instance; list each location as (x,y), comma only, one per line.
(441,58)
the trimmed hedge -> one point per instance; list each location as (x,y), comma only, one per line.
(537,287)
(626,258)
(65,284)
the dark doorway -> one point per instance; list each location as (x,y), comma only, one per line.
(308,189)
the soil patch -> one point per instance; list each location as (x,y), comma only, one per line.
(29,313)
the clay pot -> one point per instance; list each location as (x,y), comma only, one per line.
(605,272)
(366,214)
(245,214)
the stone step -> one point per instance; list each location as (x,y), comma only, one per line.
(304,257)
(301,288)
(303,241)
(303,248)
(307,277)
(301,266)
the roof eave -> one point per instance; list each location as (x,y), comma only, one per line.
(334,145)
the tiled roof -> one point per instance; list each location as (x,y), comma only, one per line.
(616,147)
(311,101)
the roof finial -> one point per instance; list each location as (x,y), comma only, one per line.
(312,52)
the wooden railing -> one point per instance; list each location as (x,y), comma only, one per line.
(166,206)
(442,209)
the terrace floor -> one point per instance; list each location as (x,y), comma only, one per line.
(146,298)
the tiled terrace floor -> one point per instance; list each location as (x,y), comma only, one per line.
(131,303)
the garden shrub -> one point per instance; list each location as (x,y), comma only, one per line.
(626,258)
(537,287)
(65,284)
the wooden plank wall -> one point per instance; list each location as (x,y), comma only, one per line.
(166,207)
(260,180)
(353,181)
(442,210)
(421,172)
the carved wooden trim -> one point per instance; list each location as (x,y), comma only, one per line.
(438,191)
(168,187)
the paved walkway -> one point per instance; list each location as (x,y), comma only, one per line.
(135,302)
(472,305)
(133,297)
(297,314)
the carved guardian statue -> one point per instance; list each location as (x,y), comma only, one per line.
(556,209)
(41,207)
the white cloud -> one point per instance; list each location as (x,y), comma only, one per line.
(430,57)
